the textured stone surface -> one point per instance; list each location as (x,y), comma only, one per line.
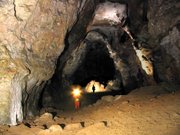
(107,98)
(163,27)
(31,39)
(57,90)
(108,12)
(73,126)
(54,128)
(162,15)
(171,44)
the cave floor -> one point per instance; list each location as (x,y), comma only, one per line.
(153,110)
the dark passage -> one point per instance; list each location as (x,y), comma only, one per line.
(97,66)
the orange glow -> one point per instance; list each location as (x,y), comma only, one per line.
(76,91)
(98,87)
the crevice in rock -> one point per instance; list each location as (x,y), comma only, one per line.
(15,12)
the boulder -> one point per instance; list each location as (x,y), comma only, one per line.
(73,126)
(107,98)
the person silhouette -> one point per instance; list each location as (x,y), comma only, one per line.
(77,103)
(93,88)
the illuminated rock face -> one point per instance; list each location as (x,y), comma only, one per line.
(31,39)
(113,13)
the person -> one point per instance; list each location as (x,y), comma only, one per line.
(76,93)
(93,88)
(77,103)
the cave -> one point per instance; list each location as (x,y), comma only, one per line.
(121,55)
(97,65)
(93,65)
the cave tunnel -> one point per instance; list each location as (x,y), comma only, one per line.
(97,65)
(104,57)
(91,67)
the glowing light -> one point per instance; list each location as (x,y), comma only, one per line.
(98,87)
(76,91)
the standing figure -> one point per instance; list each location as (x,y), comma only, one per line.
(77,103)
(76,93)
(93,88)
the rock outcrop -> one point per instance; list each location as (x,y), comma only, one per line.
(163,27)
(31,39)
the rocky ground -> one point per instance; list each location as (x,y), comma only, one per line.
(153,110)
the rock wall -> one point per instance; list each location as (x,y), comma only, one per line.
(56,90)
(164,30)
(31,39)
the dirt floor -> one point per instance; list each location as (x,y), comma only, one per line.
(153,110)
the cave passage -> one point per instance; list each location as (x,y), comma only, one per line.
(102,59)
(96,69)
(97,65)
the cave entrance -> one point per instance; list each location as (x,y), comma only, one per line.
(97,65)
(89,65)
(96,69)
